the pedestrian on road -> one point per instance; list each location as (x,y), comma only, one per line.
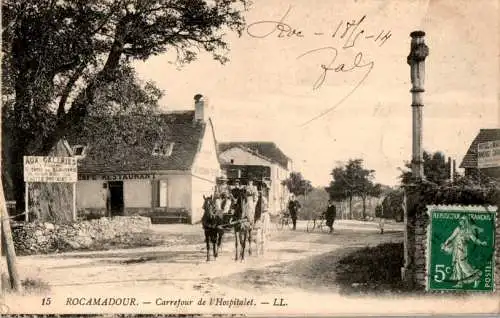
(294,207)
(330,214)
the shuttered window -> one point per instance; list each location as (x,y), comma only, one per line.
(163,193)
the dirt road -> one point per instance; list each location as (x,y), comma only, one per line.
(163,274)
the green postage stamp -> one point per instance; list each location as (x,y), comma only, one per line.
(461,248)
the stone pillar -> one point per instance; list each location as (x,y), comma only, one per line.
(416,59)
(418,52)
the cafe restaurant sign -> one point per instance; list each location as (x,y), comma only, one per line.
(461,248)
(488,154)
(118,177)
(50,169)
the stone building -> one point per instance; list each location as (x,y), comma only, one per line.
(158,166)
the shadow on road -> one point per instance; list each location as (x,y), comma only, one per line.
(327,272)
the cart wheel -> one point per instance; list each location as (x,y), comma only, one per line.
(311,224)
(289,223)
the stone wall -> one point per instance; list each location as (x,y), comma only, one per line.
(420,236)
(420,246)
(43,237)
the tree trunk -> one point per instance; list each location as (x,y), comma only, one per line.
(6,237)
(364,208)
(10,252)
(350,207)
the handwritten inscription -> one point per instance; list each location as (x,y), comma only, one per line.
(270,27)
(348,32)
(358,63)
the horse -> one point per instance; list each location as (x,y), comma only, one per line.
(212,226)
(242,223)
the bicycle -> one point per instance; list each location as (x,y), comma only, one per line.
(284,220)
(317,223)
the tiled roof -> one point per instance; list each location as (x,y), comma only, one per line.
(485,135)
(266,149)
(126,143)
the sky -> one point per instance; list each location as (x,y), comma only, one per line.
(267,91)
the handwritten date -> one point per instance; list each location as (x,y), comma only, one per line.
(348,31)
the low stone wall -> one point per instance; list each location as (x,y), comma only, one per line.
(43,237)
(420,247)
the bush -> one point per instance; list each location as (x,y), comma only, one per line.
(372,269)
(314,204)
(379,211)
(464,191)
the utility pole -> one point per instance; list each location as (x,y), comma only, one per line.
(416,59)
(6,235)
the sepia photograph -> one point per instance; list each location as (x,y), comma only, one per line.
(250,157)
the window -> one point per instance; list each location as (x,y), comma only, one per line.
(162,194)
(78,150)
(163,149)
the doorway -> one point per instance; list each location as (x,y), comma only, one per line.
(116,200)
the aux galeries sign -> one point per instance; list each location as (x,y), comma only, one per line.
(50,169)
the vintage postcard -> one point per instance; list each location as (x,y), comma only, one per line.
(257,158)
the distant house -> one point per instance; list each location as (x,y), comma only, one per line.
(483,156)
(159,166)
(243,160)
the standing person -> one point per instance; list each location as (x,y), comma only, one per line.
(223,187)
(294,207)
(251,195)
(237,198)
(262,219)
(226,203)
(330,214)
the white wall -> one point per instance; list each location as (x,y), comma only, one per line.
(179,191)
(200,187)
(137,193)
(90,194)
(206,169)
(242,157)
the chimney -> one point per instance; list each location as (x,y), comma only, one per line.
(200,108)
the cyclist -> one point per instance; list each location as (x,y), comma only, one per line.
(330,214)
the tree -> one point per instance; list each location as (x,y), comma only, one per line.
(58,54)
(353,180)
(392,205)
(436,169)
(297,185)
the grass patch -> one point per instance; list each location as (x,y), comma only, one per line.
(30,286)
(372,270)
(35,286)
